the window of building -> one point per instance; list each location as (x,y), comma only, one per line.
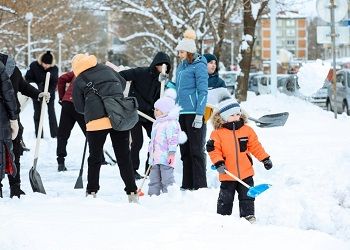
(290,42)
(280,42)
(290,22)
(279,32)
(279,22)
(290,32)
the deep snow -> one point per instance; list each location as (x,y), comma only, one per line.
(308,206)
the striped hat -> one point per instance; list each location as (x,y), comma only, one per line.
(227,107)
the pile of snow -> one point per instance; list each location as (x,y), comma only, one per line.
(308,206)
(312,75)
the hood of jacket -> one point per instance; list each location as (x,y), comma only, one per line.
(160,58)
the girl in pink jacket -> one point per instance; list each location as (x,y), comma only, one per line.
(166,135)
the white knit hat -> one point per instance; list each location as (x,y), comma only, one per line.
(227,107)
(188,42)
(167,102)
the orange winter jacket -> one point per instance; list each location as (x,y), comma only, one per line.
(234,148)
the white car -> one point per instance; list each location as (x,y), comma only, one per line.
(342,99)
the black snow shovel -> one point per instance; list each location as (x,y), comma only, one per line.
(272,120)
(79,182)
(34,177)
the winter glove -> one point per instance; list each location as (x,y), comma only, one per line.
(267,163)
(198,121)
(220,167)
(171,159)
(47,96)
(60,102)
(163,77)
(14,128)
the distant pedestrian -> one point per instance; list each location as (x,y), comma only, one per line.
(37,74)
(106,82)
(165,137)
(231,144)
(145,86)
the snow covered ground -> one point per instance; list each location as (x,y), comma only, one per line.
(308,206)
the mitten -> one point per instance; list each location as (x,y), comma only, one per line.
(171,158)
(267,163)
(47,96)
(198,121)
(14,128)
(220,167)
(162,77)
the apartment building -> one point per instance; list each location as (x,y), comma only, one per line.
(291,35)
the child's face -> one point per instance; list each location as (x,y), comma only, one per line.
(157,113)
(234,118)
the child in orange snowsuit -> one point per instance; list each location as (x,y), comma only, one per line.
(230,147)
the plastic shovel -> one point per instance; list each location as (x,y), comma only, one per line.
(252,191)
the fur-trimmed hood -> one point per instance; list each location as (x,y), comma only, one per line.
(53,59)
(217,121)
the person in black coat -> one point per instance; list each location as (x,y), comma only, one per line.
(19,85)
(8,125)
(37,73)
(145,87)
(108,83)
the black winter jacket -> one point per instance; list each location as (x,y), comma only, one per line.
(8,106)
(17,80)
(37,74)
(145,85)
(107,82)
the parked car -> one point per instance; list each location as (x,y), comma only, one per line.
(320,97)
(252,81)
(288,84)
(230,79)
(342,99)
(261,84)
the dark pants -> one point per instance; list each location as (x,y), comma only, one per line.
(120,142)
(137,142)
(193,155)
(17,151)
(67,121)
(227,194)
(52,116)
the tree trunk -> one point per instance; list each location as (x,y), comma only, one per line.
(249,29)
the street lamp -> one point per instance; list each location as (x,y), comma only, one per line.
(29,18)
(59,37)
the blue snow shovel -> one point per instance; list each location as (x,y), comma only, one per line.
(252,191)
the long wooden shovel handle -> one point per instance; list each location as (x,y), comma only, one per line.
(41,121)
(146,116)
(144,179)
(162,84)
(237,179)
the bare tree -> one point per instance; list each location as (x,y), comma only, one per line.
(50,17)
(249,22)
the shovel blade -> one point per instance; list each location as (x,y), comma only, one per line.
(272,120)
(79,183)
(35,181)
(257,190)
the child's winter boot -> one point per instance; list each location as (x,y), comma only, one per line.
(251,219)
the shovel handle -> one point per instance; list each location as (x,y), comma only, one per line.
(139,190)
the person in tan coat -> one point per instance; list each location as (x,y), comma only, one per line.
(231,144)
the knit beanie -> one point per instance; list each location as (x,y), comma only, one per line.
(188,43)
(166,102)
(210,57)
(82,62)
(228,106)
(47,58)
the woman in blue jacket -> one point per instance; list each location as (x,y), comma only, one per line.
(192,90)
